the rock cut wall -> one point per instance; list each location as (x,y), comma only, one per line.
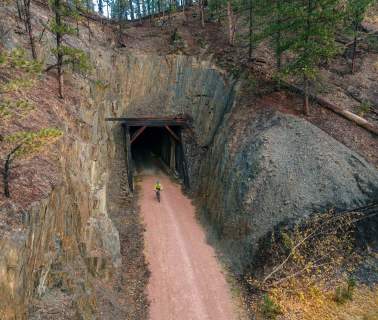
(69,239)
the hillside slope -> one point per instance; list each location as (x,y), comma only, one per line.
(71,237)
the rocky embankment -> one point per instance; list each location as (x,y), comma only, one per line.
(249,169)
(275,169)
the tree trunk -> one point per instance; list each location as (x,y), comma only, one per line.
(148,8)
(278,52)
(29,29)
(132,16)
(19,11)
(278,37)
(138,11)
(144,9)
(306,103)
(58,47)
(7,169)
(306,106)
(6,177)
(354,48)
(231,24)
(60,82)
(250,29)
(202,13)
(100,7)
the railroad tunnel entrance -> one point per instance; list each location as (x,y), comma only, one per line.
(153,142)
(155,146)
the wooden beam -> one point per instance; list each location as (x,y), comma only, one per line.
(172,158)
(184,165)
(137,134)
(151,121)
(173,134)
(155,123)
(129,164)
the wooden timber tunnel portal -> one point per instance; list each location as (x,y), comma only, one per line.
(159,136)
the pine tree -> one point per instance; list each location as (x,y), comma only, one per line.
(100,7)
(278,13)
(310,37)
(231,23)
(19,73)
(24,6)
(24,144)
(65,55)
(255,9)
(356,12)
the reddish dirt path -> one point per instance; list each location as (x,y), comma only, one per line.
(186,281)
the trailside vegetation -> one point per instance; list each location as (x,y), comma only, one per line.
(356,10)
(18,75)
(308,267)
(303,33)
(65,54)
(23,144)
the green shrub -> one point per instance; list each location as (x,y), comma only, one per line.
(18,59)
(8,108)
(345,292)
(33,141)
(26,73)
(372,41)
(364,108)
(269,308)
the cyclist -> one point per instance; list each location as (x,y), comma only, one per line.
(158,187)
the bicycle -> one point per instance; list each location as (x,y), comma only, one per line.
(157,195)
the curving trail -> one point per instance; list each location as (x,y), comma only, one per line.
(186,281)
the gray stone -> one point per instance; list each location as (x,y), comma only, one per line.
(279,175)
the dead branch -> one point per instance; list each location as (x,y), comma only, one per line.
(319,230)
(274,284)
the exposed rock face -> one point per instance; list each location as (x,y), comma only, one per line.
(69,239)
(283,169)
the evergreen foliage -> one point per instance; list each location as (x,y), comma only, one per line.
(313,40)
(60,27)
(18,71)
(9,108)
(24,144)
(356,10)
(302,33)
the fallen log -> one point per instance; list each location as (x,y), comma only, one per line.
(345,113)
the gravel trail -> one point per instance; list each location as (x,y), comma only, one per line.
(186,280)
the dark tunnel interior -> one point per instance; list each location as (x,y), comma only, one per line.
(154,146)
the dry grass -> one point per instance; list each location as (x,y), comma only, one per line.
(316,303)
(372,16)
(309,272)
